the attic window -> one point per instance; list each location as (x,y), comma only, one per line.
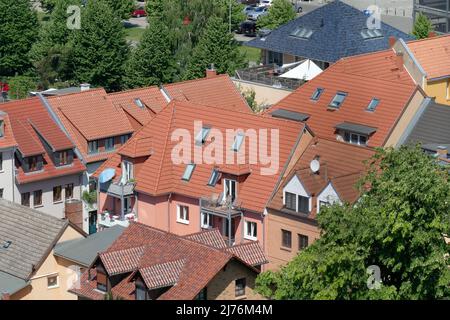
(237,142)
(338,100)
(316,95)
(202,135)
(6,244)
(139,103)
(2,128)
(302,32)
(188,172)
(373,104)
(214,178)
(371,34)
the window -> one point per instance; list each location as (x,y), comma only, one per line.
(69,191)
(141,292)
(229,191)
(202,135)
(302,32)
(109,144)
(290,201)
(240,287)
(127,205)
(207,221)
(214,178)
(138,102)
(303,204)
(92,185)
(316,95)
(302,241)
(286,239)
(322,203)
(37,198)
(33,163)
(188,172)
(62,158)
(250,230)
(371,34)
(52,282)
(275,57)
(237,142)
(1,193)
(2,128)
(124,138)
(355,138)
(128,170)
(202,295)
(338,100)
(373,104)
(1,161)
(57,194)
(101,281)
(25,199)
(183,214)
(93,146)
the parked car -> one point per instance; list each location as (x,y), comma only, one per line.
(139,13)
(248,28)
(265,3)
(258,13)
(249,8)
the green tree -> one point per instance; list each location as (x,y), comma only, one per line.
(398,225)
(48,5)
(280,12)
(216,47)
(99,49)
(18,31)
(20,86)
(422,26)
(122,8)
(151,62)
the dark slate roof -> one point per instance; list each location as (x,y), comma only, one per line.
(84,251)
(433,127)
(32,235)
(290,115)
(10,284)
(356,128)
(340,35)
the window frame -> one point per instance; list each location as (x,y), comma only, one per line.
(214,178)
(237,144)
(22,197)
(316,94)
(291,196)
(69,186)
(334,100)
(1,162)
(239,287)
(283,243)
(252,232)
(301,244)
(144,292)
(91,149)
(209,220)
(39,193)
(373,104)
(109,144)
(101,285)
(55,285)
(307,199)
(187,175)
(182,214)
(348,137)
(202,135)
(60,194)
(232,182)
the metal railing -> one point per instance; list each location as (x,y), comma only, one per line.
(267,75)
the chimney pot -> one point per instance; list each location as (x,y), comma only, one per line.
(432,34)
(392,41)
(211,72)
(85,86)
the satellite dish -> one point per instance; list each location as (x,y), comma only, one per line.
(106,175)
(314,165)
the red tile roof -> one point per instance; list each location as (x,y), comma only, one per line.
(363,78)
(433,54)
(8,140)
(342,165)
(31,126)
(159,175)
(167,259)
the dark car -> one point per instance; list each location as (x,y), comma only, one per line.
(139,13)
(248,28)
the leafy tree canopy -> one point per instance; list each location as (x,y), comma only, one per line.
(398,225)
(280,12)
(422,26)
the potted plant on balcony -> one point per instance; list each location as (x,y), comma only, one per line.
(89,198)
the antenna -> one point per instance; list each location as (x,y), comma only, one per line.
(314,165)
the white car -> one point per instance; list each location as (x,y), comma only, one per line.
(265,3)
(258,13)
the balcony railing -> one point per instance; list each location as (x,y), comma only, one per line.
(118,190)
(216,205)
(107,219)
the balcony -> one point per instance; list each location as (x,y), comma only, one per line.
(108,219)
(215,205)
(118,190)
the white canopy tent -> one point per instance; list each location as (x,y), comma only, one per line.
(306,70)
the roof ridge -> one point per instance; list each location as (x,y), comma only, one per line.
(196,80)
(75,93)
(429,38)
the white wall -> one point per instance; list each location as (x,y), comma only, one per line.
(329,195)
(7,174)
(295,186)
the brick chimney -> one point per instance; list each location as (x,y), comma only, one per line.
(432,34)
(392,41)
(74,212)
(399,60)
(442,152)
(211,72)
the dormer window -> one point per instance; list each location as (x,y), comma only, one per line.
(237,142)
(188,172)
(141,290)
(109,144)
(102,281)
(338,100)
(93,146)
(373,104)
(33,163)
(295,196)
(202,135)
(63,158)
(124,139)
(290,200)
(138,102)
(316,95)
(355,138)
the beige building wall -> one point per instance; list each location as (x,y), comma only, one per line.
(277,221)
(405,119)
(265,95)
(222,286)
(52,266)
(440,90)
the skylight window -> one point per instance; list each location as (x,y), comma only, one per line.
(188,172)
(371,34)
(6,244)
(373,104)
(237,142)
(338,100)
(139,103)
(316,95)
(214,178)
(302,32)
(202,135)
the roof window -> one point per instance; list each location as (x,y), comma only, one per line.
(316,95)
(373,104)
(188,172)
(202,135)
(338,100)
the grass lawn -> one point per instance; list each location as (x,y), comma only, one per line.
(134,34)
(251,54)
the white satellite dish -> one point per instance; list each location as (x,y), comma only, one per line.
(314,165)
